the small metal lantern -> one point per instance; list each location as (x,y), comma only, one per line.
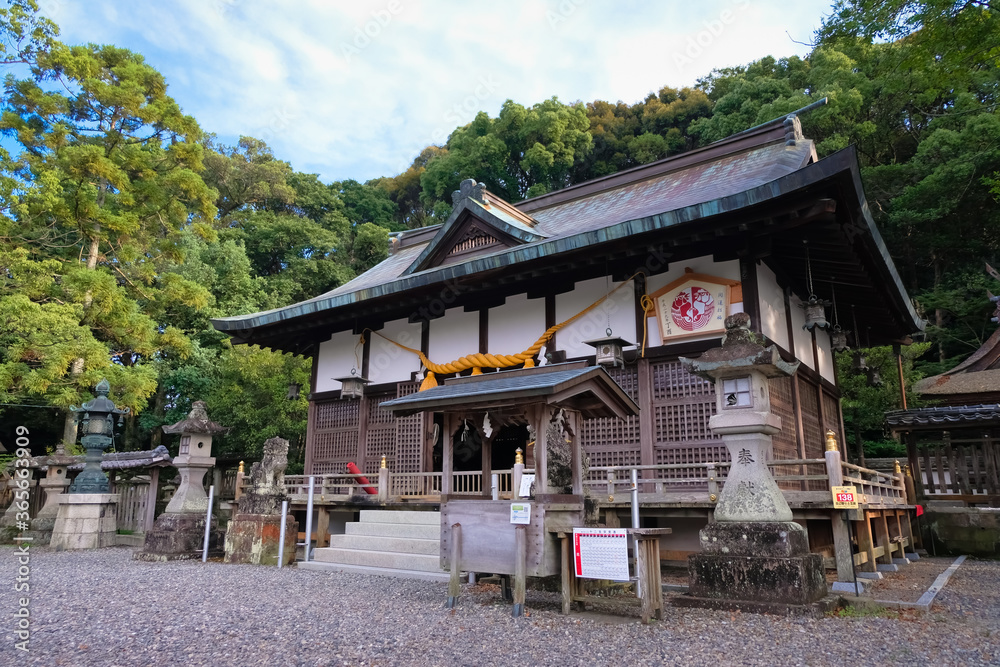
(860,364)
(874,377)
(838,339)
(609,350)
(293,391)
(98,423)
(352,386)
(815,313)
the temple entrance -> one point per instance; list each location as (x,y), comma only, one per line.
(467,447)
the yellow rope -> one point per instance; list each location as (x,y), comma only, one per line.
(481,360)
(647,304)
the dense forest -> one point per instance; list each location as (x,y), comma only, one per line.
(125,226)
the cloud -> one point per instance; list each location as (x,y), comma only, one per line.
(355,90)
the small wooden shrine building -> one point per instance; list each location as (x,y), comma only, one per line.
(657,256)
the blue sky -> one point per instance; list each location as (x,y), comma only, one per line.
(356,89)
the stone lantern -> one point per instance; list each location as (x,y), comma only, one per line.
(88,515)
(753,552)
(179,532)
(194,458)
(97,421)
(609,351)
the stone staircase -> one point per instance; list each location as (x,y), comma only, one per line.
(394,543)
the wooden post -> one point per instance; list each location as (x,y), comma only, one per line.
(383,485)
(515,480)
(863,529)
(455,583)
(541,421)
(576,447)
(567,571)
(448,452)
(611,485)
(487,455)
(842,550)
(882,531)
(154,482)
(520,567)
(322,526)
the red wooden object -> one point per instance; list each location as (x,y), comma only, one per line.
(353,469)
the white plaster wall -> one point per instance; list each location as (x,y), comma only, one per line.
(336,359)
(825,354)
(620,308)
(773,323)
(803,339)
(729,270)
(388,362)
(515,325)
(454,335)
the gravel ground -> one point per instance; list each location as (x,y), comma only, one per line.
(911,581)
(102,608)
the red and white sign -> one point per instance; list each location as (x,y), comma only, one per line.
(693,305)
(601,553)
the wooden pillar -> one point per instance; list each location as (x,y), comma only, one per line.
(487,464)
(455,582)
(648,572)
(842,550)
(647,429)
(520,568)
(448,452)
(566,571)
(866,544)
(322,526)
(882,535)
(540,419)
(576,424)
(154,482)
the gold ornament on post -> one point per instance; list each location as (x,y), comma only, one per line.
(518,458)
(382,465)
(831,442)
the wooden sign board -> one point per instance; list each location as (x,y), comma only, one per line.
(844,497)
(694,305)
(601,553)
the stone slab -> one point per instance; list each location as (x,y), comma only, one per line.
(798,580)
(378,571)
(817,609)
(869,575)
(849,587)
(911,556)
(86,521)
(887,567)
(900,561)
(764,539)
(254,538)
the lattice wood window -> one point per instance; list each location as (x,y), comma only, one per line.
(812,430)
(612,442)
(785,443)
(334,439)
(380,436)
(473,239)
(409,435)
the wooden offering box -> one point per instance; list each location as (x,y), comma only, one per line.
(488,536)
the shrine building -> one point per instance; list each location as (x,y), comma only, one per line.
(655,257)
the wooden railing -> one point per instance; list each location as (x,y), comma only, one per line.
(957,467)
(699,481)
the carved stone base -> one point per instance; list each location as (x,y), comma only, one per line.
(756,562)
(180,537)
(86,521)
(253,538)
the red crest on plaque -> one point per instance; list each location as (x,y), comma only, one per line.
(692,308)
(694,304)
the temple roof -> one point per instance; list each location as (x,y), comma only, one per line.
(944,416)
(588,389)
(744,190)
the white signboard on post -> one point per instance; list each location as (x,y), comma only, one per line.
(601,553)
(520,513)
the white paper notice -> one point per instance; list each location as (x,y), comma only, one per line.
(526,482)
(601,553)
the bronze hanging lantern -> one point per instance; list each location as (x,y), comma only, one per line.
(610,350)
(838,337)
(874,377)
(352,386)
(860,364)
(293,391)
(814,306)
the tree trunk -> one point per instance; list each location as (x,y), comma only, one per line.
(938,313)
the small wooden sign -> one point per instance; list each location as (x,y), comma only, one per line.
(844,497)
(601,553)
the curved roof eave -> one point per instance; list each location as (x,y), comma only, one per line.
(838,163)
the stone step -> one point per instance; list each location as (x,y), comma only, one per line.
(401,516)
(378,559)
(404,545)
(378,571)
(414,530)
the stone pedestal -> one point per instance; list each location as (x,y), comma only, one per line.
(180,537)
(54,483)
(254,538)
(85,521)
(757,562)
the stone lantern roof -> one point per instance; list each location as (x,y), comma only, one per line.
(197,423)
(740,353)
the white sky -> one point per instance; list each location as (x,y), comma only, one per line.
(355,89)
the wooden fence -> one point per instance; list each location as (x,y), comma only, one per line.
(957,468)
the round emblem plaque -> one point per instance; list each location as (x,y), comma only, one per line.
(692,308)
